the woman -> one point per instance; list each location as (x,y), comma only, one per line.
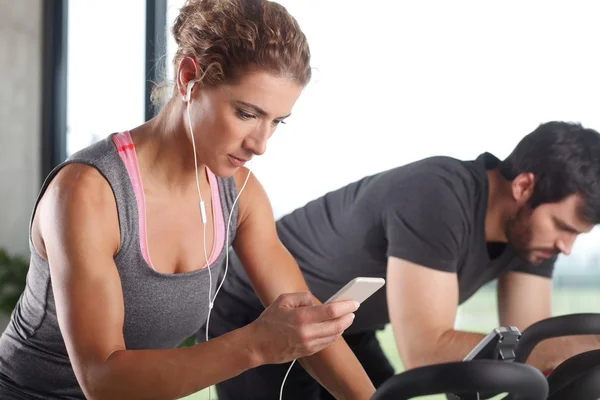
(120,273)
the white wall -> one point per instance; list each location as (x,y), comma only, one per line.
(20,116)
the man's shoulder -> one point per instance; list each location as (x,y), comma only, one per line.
(438,174)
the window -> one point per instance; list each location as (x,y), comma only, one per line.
(106,68)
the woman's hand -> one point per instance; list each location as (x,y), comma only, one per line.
(293,327)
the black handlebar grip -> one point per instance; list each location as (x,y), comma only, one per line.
(564,325)
(522,381)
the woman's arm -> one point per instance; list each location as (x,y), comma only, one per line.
(78,222)
(272,271)
(78,230)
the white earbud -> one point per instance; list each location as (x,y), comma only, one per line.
(186,98)
(188,92)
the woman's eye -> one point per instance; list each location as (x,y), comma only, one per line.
(244,115)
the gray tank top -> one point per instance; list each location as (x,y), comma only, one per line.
(161,310)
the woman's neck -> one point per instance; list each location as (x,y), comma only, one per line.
(165,153)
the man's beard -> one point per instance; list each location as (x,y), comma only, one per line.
(519,233)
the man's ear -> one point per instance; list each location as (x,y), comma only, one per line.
(522,187)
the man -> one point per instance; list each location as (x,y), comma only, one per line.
(437,230)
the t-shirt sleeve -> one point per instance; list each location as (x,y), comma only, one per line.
(544,269)
(425,223)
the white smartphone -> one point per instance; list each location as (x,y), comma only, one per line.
(358,289)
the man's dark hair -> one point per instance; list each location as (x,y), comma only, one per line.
(564,157)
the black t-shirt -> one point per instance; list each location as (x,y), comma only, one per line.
(430,212)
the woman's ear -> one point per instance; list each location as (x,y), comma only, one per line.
(187,74)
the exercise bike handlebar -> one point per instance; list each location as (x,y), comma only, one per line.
(564,325)
(522,381)
(585,387)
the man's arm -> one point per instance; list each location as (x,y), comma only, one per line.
(524,299)
(426,228)
(272,271)
(422,303)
